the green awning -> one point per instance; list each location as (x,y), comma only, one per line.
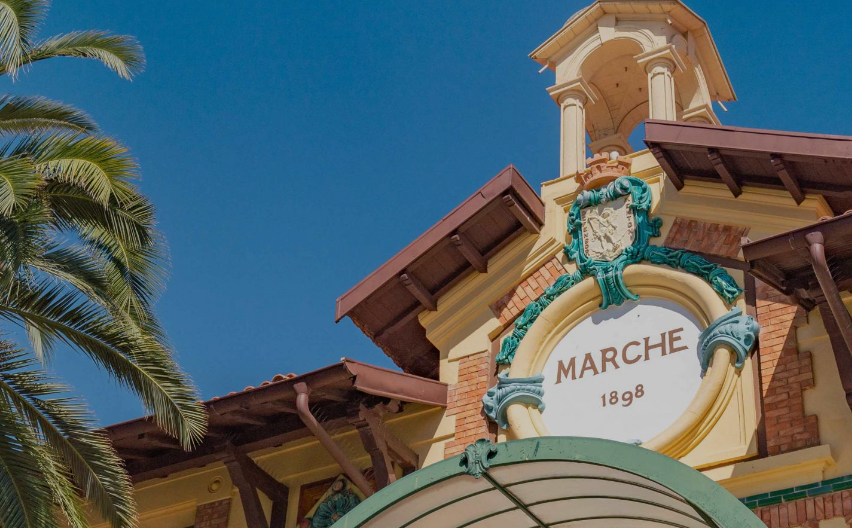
(553,482)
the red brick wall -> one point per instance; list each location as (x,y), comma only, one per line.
(808,512)
(213,514)
(705,237)
(465,402)
(510,305)
(786,373)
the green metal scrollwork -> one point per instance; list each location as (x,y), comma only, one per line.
(608,273)
(734,329)
(719,279)
(509,391)
(531,313)
(476,458)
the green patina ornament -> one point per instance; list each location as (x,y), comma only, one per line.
(630,245)
(531,313)
(734,329)
(509,391)
(608,271)
(476,458)
(719,279)
(340,502)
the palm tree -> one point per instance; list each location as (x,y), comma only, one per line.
(81,265)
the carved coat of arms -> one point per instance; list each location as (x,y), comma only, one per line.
(608,229)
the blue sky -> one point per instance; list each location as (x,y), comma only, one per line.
(292,147)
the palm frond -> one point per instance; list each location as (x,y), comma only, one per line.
(99,165)
(136,274)
(25,114)
(66,494)
(19,20)
(120,53)
(22,238)
(133,356)
(131,221)
(76,267)
(26,498)
(123,235)
(68,431)
(18,182)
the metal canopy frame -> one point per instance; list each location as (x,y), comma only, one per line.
(714,507)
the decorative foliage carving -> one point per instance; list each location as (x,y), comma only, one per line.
(734,329)
(531,313)
(594,232)
(608,273)
(509,391)
(719,279)
(477,457)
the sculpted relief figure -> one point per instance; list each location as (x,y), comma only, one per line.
(607,229)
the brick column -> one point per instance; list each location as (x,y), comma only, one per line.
(213,514)
(786,373)
(465,402)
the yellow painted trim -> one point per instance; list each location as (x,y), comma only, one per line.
(762,475)
(767,209)
(717,387)
(464,302)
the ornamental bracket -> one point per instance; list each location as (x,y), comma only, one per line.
(477,457)
(734,329)
(497,400)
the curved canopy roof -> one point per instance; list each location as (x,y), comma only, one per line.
(553,482)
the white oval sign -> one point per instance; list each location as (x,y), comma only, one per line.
(626,373)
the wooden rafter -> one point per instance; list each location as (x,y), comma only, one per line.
(337,395)
(382,445)
(520,212)
(464,246)
(377,449)
(724,172)
(252,508)
(403,454)
(668,166)
(159,442)
(419,291)
(789,181)
(249,478)
(243,417)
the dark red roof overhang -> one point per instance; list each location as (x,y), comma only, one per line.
(801,163)
(265,416)
(385,304)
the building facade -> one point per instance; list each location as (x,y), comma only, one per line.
(653,338)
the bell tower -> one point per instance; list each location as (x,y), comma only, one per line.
(618,62)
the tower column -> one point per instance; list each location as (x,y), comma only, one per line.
(572,98)
(661,89)
(660,65)
(573,146)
